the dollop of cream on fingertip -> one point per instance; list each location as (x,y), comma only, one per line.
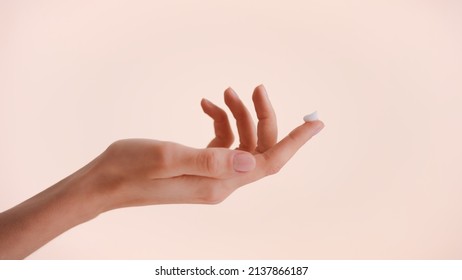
(311,117)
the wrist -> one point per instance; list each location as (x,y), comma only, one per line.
(31,224)
(87,191)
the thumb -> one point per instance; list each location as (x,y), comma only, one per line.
(215,162)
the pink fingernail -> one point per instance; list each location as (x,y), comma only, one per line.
(243,162)
(233,93)
(264,91)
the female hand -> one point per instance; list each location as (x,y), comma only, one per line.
(140,172)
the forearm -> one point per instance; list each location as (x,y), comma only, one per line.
(31,224)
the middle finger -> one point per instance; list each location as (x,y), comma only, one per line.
(244,122)
(267,130)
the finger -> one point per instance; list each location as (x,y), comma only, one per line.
(278,155)
(267,130)
(244,122)
(275,158)
(209,162)
(223,134)
(246,178)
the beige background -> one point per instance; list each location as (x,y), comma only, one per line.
(382,180)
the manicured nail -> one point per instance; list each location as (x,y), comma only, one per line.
(205,101)
(243,162)
(233,93)
(311,117)
(262,87)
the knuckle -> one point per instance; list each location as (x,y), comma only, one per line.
(208,159)
(229,140)
(116,146)
(114,153)
(273,167)
(222,116)
(211,193)
(292,137)
(163,154)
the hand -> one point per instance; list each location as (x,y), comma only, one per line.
(140,172)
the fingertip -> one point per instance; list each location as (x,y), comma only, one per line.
(314,127)
(230,96)
(206,106)
(321,127)
(261,87)
(304,132)
(230,92)
(258,92)
(227,97)
(204,102)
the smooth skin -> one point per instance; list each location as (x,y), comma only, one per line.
(135,172)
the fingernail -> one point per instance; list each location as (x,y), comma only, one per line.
(243,162)
(311,117)
(263,90)
(233,93)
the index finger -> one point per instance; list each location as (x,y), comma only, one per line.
(271,161)
(279,154)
